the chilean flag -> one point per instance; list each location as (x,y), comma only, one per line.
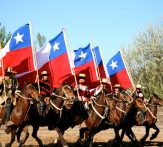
(117,71)
(18,51)
(99,62)
(53,58)
(58,60)
(84,63)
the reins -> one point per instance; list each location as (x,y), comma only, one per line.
(26,98)
(93,99)
(60,109)
(121,110)
(64,98)
(151,113)
(102,117)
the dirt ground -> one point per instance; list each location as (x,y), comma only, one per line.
(102,139)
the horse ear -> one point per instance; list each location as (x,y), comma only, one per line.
(155,95)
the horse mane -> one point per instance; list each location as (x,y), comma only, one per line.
(155,95)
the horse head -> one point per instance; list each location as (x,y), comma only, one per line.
(124,95)
(62,96)
(139,104)
(110,101)
(68,93)
(30,91)
(156,100)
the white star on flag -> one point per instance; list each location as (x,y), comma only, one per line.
(113,64)
(18,38)
(83,55)
(55,46)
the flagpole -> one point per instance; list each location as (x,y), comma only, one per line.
(105,68)
(34,56)
(70,59)
(95,59)
(124,59)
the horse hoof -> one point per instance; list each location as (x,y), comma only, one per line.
(7,145)
(20,143)
(142,141)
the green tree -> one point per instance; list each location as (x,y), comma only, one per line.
(4,36)
(41,39)
(145,57)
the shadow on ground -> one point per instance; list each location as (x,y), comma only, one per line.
(108,144)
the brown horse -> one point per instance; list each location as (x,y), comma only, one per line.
(118,109)
(96,114)
(25,113)
(3,121)
(150,118)
(121,111)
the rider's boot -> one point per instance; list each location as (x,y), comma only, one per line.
(42,107)
(8,106)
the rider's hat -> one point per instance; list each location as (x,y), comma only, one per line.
(82,75)
(104,80)
(44,73)
(138,86)
(117,86)
(10,70)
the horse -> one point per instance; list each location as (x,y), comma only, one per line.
(118,109)
(3,120)
(122,110)
(25,114)
(96,114)
(150,119)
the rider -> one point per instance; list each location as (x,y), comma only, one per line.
(45,89)
(11,85)
(83,90)
(117,90)
(137,93)
(99,88)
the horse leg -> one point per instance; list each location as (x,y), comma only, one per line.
(117,136)
(34,135)
(154,135)
(128,133)
(89,134)
(63,141)
(13,134)
(82,134)
(146,135)
(25,129)
(131,135)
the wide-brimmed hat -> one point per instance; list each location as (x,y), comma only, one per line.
(117,86)
(10,70)
(44,73)
(82,75)
(104,80)
(138,86)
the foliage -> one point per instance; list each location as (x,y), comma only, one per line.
(41,39)
(4,36)
(145,58)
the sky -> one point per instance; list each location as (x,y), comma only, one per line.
(111,24)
